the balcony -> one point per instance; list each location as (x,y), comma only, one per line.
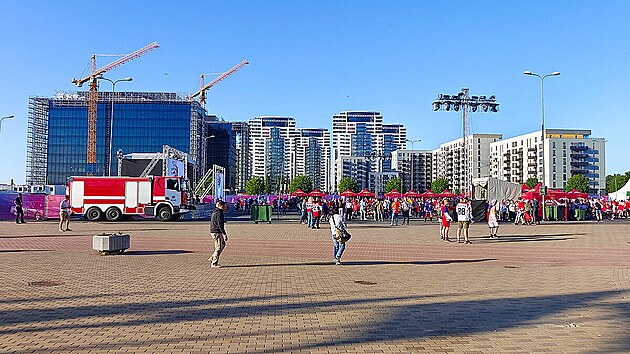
(579,147)
(580,155)
(506,167)
(579,163)
(531,149)
(579,171)
(518,157)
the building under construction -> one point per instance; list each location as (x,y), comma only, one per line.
(133,122)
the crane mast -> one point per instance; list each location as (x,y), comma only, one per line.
(93,95)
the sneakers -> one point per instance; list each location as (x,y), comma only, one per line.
(337,262)
(215,266)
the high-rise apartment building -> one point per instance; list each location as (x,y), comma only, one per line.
(567,152)
(142,123)
(272,147)
(449,160)
(312,157)
(414,167)
(360,135)
(243,162)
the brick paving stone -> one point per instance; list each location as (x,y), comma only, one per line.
(558,287)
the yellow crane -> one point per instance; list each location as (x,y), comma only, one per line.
(203,88)
(93,95)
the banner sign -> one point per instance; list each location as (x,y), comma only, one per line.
(175,168)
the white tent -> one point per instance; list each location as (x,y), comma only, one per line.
(490,188)
(621,194)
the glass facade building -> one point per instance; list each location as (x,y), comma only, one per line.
(142,123)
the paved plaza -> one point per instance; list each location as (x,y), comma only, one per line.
(553,288)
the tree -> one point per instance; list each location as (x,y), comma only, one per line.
(439,185)
(301,182)
(577,182)
(348,183)
(267,184)
(616,181)
(531,182)
(255,186)
(394,183)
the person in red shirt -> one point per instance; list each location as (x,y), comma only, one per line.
(446,221)
(395,211)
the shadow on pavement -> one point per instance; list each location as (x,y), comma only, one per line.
(528,238)
(363,263)
(152,253)
(405,318)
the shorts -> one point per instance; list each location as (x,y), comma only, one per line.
(463,225)
(493,223)
(446,223)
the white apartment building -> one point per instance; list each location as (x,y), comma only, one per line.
(312,157)
(449,160)
(272,146)
(362,134)
(414,167)
(567,152)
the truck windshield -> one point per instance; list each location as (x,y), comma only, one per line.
(172,184)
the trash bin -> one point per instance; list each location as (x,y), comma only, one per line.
(580,215)
(549,212)
(560,212)
(261,213)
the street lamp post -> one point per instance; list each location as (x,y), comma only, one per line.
(108,159)
(412,142)
(3,118)
(542,130)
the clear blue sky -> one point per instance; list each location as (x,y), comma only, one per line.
(311,59)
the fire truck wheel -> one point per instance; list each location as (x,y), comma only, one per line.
(113,214)
(94,214)
(164,213)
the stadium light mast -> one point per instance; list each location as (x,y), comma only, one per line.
(462,101)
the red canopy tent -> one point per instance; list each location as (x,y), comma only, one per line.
(316,193)
(555,194)
(393,194)
(412,194)
(447,194)
(428,194)
(348,193)
(365,193)
(299,193)
(575,194)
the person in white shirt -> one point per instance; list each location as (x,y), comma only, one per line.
(464,217)
(64,214)
(336,222)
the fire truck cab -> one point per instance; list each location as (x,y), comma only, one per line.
(116,198)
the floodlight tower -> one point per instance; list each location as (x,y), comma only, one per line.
(466,103)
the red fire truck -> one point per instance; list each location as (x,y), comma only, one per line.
(116,198)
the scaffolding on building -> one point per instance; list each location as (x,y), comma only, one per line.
(37,141)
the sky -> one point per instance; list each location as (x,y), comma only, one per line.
(312,59)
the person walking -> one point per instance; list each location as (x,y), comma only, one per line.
(336,223)
(464,217)
(446,221)
(19,211)
(395,210)
(404,206)
(217,231)
(64,214)
(493,220)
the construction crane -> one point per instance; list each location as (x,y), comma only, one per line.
(203,88)
(93,95)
